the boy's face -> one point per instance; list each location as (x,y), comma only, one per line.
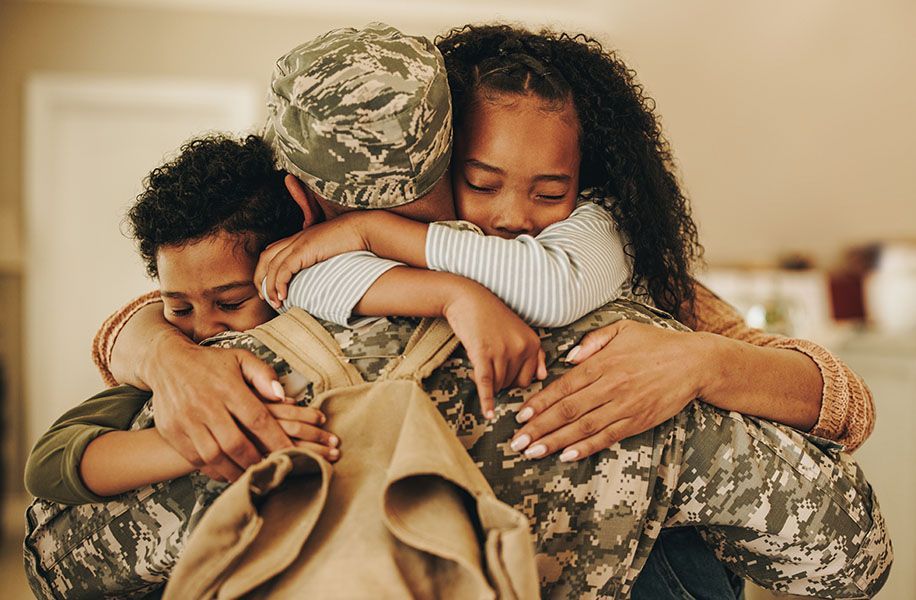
(207,288)
(515,166)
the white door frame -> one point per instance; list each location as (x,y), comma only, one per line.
(52,101)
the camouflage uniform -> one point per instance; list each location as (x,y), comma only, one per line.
(788,510)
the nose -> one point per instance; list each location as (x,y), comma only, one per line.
(514,216)
(205,327)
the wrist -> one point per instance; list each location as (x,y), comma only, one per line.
(453,292)
(713,363)
(163,345)
(364,224)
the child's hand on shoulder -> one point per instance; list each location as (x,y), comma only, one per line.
(284,258)
(504,350)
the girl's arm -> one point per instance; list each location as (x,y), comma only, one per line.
(502,348)
(569,269)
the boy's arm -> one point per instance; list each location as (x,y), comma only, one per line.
(52,471)
(202,394)
(118,461)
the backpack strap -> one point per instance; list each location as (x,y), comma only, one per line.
(308,348)
(432,342)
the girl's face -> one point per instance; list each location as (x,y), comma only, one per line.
(207,287)
(516,165)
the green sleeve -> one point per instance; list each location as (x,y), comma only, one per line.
(53,469)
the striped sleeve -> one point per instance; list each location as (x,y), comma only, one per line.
(565,272)
(331,289)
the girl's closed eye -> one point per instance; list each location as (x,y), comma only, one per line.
(552,197)
(480,187)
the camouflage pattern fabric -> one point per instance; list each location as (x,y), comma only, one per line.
(362,116)
(788,510)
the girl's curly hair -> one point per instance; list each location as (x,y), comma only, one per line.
(216,185)
(625,157)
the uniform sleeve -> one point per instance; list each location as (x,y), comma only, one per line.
(569,269)
(107,334)
(847,411)
(52,471)
(331,289)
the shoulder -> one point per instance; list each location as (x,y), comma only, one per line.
(558,340)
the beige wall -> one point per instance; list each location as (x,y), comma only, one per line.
(791,119)
(792,122)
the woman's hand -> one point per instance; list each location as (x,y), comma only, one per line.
(503,349)
(632,377)
(284,258)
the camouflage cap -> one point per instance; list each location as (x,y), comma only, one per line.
(362,116)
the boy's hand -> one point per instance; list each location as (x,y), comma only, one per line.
(303,425)
(504,350)
(284,258)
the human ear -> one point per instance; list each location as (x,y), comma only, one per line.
(311,212)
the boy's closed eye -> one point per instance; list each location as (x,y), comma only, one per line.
(481,186)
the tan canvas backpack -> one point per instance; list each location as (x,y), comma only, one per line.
(404,512)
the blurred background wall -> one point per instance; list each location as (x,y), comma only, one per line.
(791,123)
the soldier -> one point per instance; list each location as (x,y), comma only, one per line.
(789,510)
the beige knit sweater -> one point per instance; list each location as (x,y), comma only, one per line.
(847,409)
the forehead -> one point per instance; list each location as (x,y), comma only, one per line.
(204,264)
(521,134)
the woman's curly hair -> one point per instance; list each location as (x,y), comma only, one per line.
(217,184)
(625,157)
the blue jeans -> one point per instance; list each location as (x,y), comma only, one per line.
(682,567)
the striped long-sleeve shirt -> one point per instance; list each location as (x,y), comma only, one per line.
(569,269)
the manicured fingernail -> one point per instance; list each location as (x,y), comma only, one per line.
(333,441)
(573,353)
(519,443)
(536,451)
(334,453)
(524,414)
(278,389)
(490,415)
(569,456)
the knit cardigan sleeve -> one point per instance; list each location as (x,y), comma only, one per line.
(105,337)
(847,411)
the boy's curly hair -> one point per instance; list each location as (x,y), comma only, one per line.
(216,184)
(625,157)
